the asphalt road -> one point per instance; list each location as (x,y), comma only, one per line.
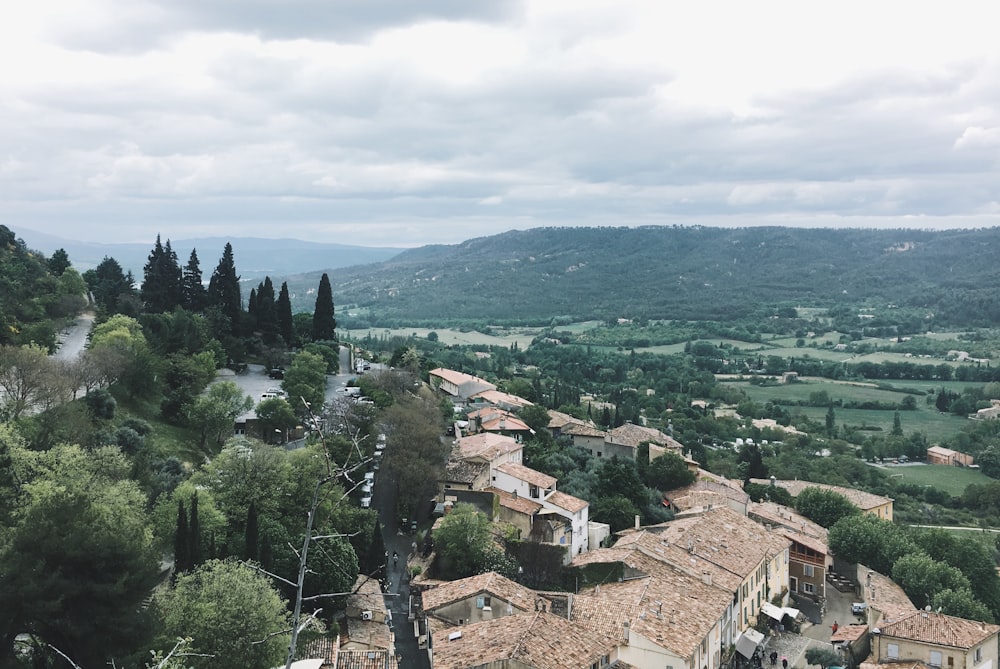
(73,339)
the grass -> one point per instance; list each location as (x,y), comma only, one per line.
(952,480)
(449,337)
(169,439)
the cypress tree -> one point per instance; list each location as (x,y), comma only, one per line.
(224,291)
(153,288)
(286,325)
(174,277)
(192,289)
(374,564)
(251,537)
(181,538)
(194,535)
(252,309)
(324,325)
(266,553)
(267,314)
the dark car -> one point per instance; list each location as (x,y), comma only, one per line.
(276,373)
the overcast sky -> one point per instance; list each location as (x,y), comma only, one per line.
(409,122)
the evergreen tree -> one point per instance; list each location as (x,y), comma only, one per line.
(831,419)
(374,562)
(251,535)
(109,284)
(267,314)
(266,553)
(224,291)
(252,310)
(59,262)
(196,555)
(161,284)
(897,426)
(283,306)
(193,291)
(181,553)
(324,325)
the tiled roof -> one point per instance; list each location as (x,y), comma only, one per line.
(486,446)
(884,595)
(862,500)
(557,419)
(849,633)
(603,615)
(540,640)
(581,430)
(491,582)
(500,397)
(703,485)
(632,435)
(365,659)
(939,629)
(463,471)
(792,524)
(367,595)
(698,499)
(458,378)
(517,503)
(368,633)
(527,475)
(895,665)
(508,423)
(567,502)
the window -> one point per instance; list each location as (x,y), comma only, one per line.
(978,656)
(599,454)
(893,651)
(807,570)
(809,588)
(935,658)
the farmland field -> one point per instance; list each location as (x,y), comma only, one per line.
(522,336)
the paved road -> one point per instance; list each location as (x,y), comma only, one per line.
(73,339)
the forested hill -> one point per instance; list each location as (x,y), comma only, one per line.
(681,273)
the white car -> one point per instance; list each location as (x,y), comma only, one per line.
(366,502)
(369,477)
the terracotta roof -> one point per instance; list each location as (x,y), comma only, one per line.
(557,419)
(486,446)
(517,503)
(604,615)
(463,471)
(862,500)
(365,659)
(458,378)
(632,435)
(540,640)
(500,397)
(895,665)
(581,430)
(849,633)
(491,582)
(792,524)
(709,486)
(528,475)
(368,633)
(367,595)
(939,629)
(884,595)
(567,502)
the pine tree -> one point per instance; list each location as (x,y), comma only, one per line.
(251,537)
(224,291)
(192,289)
(174,278)
(286,325)
(161,284)
(897,426)
(324,325)
(267,314)
(181,538)
(196,556)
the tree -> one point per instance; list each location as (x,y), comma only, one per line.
(618,511)
(824,507)
(324,324)
(961,604)
(192,289)
(305,382)
(897,426)
(27,379)
(224,292)
(286,326)
(462,541)
(867,539)
(831,419)
(824,657)
(251,542)
(668,472)
(182,539)
(922,577)
(214,413)
(276,418)
(109,284)
(78,559)
(231,612)
(161,288)
(619,476)
(59,262)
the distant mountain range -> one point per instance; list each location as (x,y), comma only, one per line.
(255,257)
(548,275)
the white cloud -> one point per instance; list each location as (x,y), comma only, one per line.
(405,122)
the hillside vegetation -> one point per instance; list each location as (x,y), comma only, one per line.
(546,275)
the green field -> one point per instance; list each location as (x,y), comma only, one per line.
(925,418)
(503,337)
(952,480)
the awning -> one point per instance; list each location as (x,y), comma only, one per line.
(778,612)
(748,642)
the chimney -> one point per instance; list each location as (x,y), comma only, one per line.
(706,578)
(515,493)
(626,626)
(637,521)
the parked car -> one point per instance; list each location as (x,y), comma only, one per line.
(858,608)
(366,502)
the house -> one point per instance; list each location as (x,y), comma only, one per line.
(809,558)
(498,421)
(499,399)
(458,384)
(991,412)
(584,436)
(476,598)
(493,449)
(936,640)
(624,441)
(939,455)
(563,520)
(875,505)
(705,493)
(516,511)
(559,420)
(539,640)
(367,626)
(465,475)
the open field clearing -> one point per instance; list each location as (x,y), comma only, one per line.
(952,480)
(503,337)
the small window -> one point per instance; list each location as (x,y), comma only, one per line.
(935,658)
(480,603)
(599,454)
(807,570)
(809,588)
(978,655)
(893,651)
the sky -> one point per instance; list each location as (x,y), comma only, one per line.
(409,122)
